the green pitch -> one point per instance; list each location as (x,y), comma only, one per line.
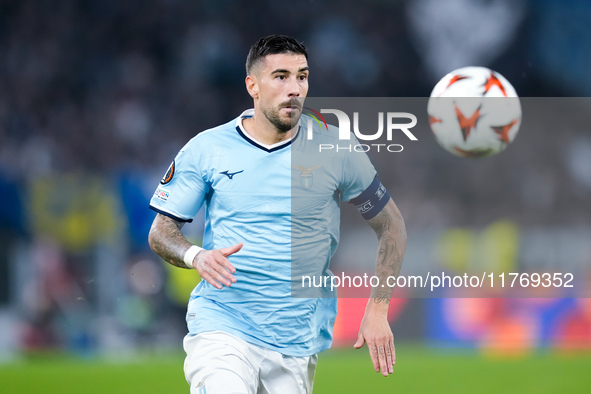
(418,370)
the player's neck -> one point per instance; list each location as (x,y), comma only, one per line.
(259,128)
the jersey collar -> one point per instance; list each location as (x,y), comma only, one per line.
(249,113)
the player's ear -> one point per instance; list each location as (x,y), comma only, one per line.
(252,86)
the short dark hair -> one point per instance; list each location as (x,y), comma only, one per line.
(273,45)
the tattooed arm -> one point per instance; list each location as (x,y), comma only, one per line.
(168,242)
(391,232)
(375,329)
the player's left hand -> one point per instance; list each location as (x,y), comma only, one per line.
(376,331)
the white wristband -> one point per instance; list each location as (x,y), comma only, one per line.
(190,255)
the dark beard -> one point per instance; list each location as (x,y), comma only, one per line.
(281,125)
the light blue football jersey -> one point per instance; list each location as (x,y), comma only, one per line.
(283,203)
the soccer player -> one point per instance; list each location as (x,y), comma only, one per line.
(247,332)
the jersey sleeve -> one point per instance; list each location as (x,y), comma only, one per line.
(183,188)
(358,174)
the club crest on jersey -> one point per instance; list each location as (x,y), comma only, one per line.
(169,174)
(306,176)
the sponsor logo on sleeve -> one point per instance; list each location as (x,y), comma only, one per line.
(162,194)
(306,176)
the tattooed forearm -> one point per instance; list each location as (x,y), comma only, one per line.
(381,298)
(167,241)
(391,231)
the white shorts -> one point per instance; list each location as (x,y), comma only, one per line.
(220,363)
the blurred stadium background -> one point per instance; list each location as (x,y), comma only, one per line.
(96,98)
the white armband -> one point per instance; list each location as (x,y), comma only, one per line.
(190,255)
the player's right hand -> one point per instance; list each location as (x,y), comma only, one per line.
(214,267)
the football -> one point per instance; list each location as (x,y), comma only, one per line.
(474,112)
